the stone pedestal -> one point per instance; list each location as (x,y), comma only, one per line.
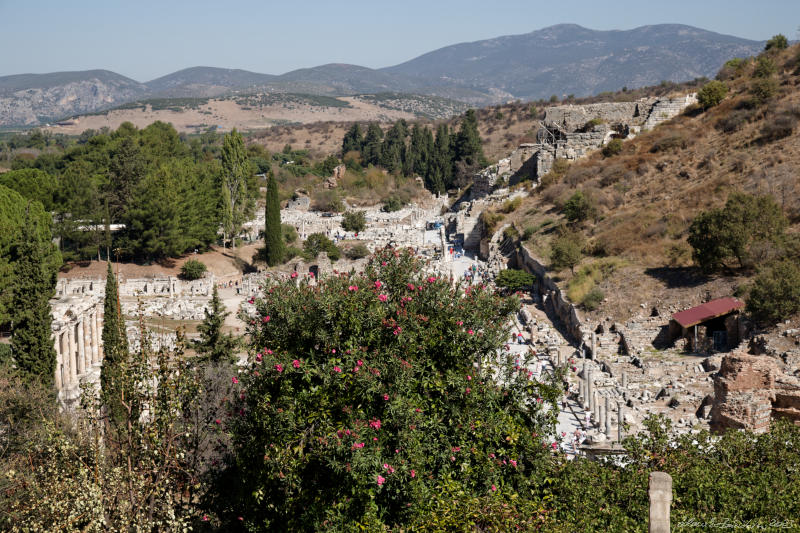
(660,492)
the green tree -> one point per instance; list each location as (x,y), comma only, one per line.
(765,67)
(393,150)
(193,269)
(712,94)
(468,146)
(316,243)
(614,147)
(353,140)
(373,142)
(566,250)
(731,232)
(440,169)
(274,246)
(239,194)
(127,167)
(31,338)
(115,352)
(33,184)
(777,42)
(354,221)
(579,207)
(775,294)
(514,280)
(213,343)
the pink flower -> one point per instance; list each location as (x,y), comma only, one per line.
(460,322)
(381,480)
(554,445)
(383,297)
(491,456)
(413,474)
(265,319)
(218,421)
(378,284)
(431,279)
(359,362)
(469,378)
(258,357)
(352,288)
(410,286)
(267,350)
(383,263)
(251,300)
(374,438)
(337,369)
(205,518)
(452,458)
(234,379)
(386,397)
(513,463)
(375,424)
(494,488)
(294,275)
(356,368)
(468,390)
(358,445)
(472,333)
(279,367)
(385,466)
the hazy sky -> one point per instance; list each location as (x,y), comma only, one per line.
(145,39)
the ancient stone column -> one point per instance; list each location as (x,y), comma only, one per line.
(87,343)
(624,380)
(590,390)
(95,344)
(99,321)
(73,354)
(660,499)
(594,346)
(608,417)
(57,346)
(63,358)
(619,421)
(81,366)
(601,420)
(596,410)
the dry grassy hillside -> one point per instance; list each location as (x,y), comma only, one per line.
(647,196)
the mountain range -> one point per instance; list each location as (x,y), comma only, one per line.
(563,59)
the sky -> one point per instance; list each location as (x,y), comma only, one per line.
(145,39)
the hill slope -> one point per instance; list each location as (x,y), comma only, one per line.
(205,81)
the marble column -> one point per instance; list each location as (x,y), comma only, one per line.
(81,366)
(619,421)
(73,352)
(608,417)
(99,320)
(596,410)
(87,343)
(95,337)
(64,360)
(590,390)
(624,380)
(601,420)
(57,346)
(594,346)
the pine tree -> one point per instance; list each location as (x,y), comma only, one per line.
(274,247)
(372,145)
(440,170)
(468,141)
(394,147)
(115,349)
(214,344)
(353,140)
(31,339)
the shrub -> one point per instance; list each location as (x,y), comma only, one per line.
(775,294)
(593,299)
(566,250)
(193,269)
(765,67)
(327,200)
(354,221)
(510,232)
(762,90)
(778,127)
(316,243)
(292,252)
(528,232)
(490,220)
(289,233)
(391,204)
(712,94)
(579,207)
(777,42)
(732,68)
(671,141)
(342,425)
(734,121)
(514,280)
(614,147)
(509,206)
(357,252)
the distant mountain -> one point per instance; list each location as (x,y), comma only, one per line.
(570,59)
(205,81)
(560,60)
(30,99)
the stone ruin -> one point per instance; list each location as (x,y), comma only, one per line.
(573,131)
(77,338)
(751,390)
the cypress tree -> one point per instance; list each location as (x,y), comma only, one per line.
(274,247)
(31,339)
(214,344)
(115,348)
(353,140)
(394,147)
(468,141)
(372,145)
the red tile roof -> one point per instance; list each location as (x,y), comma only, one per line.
(712,309)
